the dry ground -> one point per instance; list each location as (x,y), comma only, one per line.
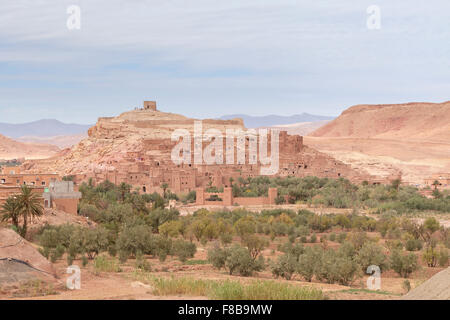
(416,160)
(124,285)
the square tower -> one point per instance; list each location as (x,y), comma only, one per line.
(150,105)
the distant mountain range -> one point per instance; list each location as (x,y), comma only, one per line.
(42,128)
(47,128)
(275,120)
(51,128)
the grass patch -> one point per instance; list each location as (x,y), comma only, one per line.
(104,264)
(265,290)
(34,288)
(194,262)
(182,286)
(370,291)
(228,289)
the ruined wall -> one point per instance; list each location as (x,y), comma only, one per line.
(228,199)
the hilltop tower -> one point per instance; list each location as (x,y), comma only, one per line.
(150,105)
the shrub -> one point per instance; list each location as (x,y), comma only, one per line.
(430,257)
(413,245)
(404,265)
(73,240)
(347,249)
(342,237)
(94,241)
(295,250)
(406,285)
(371,254)
(162,247)
(226,238)
(240,260)
(346,270)
(254,244)
(159,216)
(280,200)
(313,238)
(135,240)
(394,244)
(171,228)
(336,267)
(333,237)
(245,226)
(142,264)
(307,263)
(184,250)
(443,257)
(89,210)
(358,239)
(292,238)
(285,266)
(217,257)
(104,264)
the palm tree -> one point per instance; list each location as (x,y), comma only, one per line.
(10,211)
(435,184)
(30,206)
(396,183)
(164,186)
(124,189)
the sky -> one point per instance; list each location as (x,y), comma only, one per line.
(207,58)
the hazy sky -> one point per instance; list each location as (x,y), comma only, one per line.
(206,58)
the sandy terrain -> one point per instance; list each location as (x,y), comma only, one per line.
(11,149)
(59,141)
(301,128)
(411,139)
(416,160)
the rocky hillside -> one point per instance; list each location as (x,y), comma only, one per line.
(411,121)
(11,149)
(412,139)
(110,140)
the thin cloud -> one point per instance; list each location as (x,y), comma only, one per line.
(208,57)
